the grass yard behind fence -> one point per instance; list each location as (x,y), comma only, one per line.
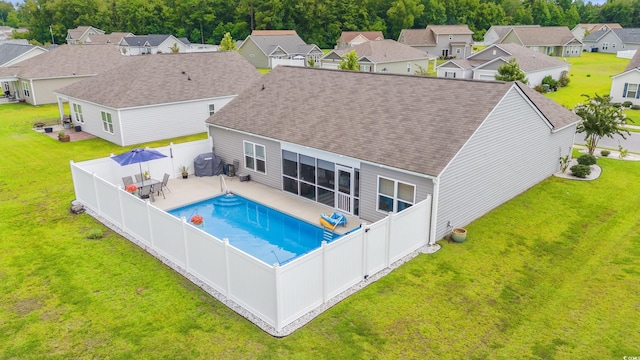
(554,273)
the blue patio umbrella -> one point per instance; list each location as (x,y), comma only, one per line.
(138,156)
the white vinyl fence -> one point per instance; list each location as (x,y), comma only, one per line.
(626,54)
(290,62)
(273,295)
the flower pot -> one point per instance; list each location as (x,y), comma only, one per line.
(64,138)
(78,128)
(48,130)
(184,176)
(459,234)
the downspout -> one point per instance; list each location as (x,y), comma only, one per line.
(434,210)
(121,129)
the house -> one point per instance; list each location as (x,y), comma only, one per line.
(35,80)
(79,35)
(6,32)
(11,54)
(152,44)
(581,31)
(269,48)
(484,64)
(550,40)
(471,146)
(626,85)
(497,32)
(440,40)
(157,97)
(381,56)
(353,38)
(613,40)
(104,39)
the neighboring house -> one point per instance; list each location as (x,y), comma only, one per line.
(152,44)
(387,56)
(34,80)
(484,64)
(6,32)
(11,54)
(157,97)
(440,40)
(263,48)
(472,145)
(103,39)
(353,38)
(549,40)
(626,85)
(613,40)
(581,31)
(497,32)
(79,35)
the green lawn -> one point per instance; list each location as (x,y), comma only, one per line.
(553,273)
(589,74)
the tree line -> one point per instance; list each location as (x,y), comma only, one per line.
(317,21)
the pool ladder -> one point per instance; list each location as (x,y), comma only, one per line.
(223,185)
(327,235)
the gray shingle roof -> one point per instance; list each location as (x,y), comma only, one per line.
(544,36)
(502,30)
(381,118)
(10,51)
(158,79)
(68,61)
(291,43)
(527,59)
(594,36)
(379,51)
(152,40)
(417,37)
(634,62)
(628,35)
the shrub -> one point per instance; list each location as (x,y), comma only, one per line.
(551,82)
(616,105)
(635,107)
(538,88)
(95,234)
(627,104)
(580,171)
(588,75)
(605,153)
(564,79)
(586,159)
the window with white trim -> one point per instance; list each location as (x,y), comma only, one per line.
(613,45)
(408,67)
(394,195)
(212,109)
(107,123)
(605,45)
(77,111)
(25,89)
(458,50)
(631,91)
(255,157)
(449,74)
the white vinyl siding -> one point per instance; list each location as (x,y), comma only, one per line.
(255,157)
(476,180)
(107,122)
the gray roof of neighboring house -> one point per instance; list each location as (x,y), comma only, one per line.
(380,118)
(502,30)
(627,36)
(450,29)
(159,79)
(152,40)
(544,35)
(68,61)
(347,36)
(527,59)
(634,63)
(9,52)
(113,38)
(379,51)
(596,27)
(417,37)
(291,43)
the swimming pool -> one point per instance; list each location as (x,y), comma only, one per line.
(267,234)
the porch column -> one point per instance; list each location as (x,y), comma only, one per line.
(61,108)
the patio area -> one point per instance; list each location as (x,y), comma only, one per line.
(74,135)
(194,189)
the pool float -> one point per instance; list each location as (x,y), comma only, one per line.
(332,221)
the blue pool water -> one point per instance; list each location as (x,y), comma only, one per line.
(265,233)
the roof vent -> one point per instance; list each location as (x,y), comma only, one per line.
(189,78)
(262,87)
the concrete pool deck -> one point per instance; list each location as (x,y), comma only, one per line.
(194,189)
